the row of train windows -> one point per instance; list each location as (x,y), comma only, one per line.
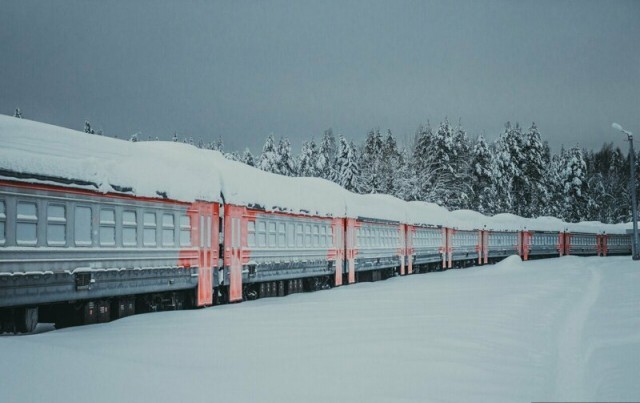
(550,240)
(465,239)
(27,220)
(377,236)
(271,234)
(619,241)
(507,240)
(427,238)
(582,240)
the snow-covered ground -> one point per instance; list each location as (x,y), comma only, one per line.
(557,329)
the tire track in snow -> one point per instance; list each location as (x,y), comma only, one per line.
(571,360)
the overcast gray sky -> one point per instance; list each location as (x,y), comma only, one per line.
(245,69)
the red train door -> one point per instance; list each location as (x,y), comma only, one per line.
(449,242)
(409,230)
(338,244)
(402,248)
(352,248)
(525,245)
(233,250)
(485,246)
(206,216)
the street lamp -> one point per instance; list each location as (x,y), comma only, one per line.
(632,190)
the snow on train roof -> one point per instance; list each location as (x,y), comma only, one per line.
(157,169)
(150,169)
(247,186)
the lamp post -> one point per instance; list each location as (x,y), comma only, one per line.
(632,190)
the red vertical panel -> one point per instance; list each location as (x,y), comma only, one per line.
(450,234)
(479,247)
(443,248)
(352,248)
(566,243)
(337,254)
(605,244)
(204,237)
(401,247)
(233,249)
(525,244)
(486,247)
(409,247)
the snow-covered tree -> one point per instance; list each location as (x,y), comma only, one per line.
(285,162)
(87,127)
(325,165)
(135,137)
(445,166)
(390,164)
(575,188)
(308,160)
(233,156)
(533,195)
(347,173)
(218,145)
(247,158)
(608,180)
(405,186)
(18,113)
(461,167)
(175,137)
(269,157)
(482,179)
(371,161)
(510,180)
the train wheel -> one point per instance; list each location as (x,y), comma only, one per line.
(26,319)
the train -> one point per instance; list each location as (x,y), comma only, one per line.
(94,229)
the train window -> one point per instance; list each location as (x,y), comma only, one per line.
(129,228)
(168,234)
(185,230)
(271,240)
(262,234)
(299,236)
(56,225)
(107,227)
(290,235)
(330,236)
(323,235)
(307,236)
(251,233)
(27,224)
(3,220)
(149,234)
(316,236)
(82,226)
(282,241)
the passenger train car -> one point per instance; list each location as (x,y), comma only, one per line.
(77,248)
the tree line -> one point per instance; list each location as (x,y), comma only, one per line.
(517,173)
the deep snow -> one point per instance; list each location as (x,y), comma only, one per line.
(556,329)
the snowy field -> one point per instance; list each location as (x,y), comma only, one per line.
(558,329)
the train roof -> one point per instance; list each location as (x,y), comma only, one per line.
(42,153)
